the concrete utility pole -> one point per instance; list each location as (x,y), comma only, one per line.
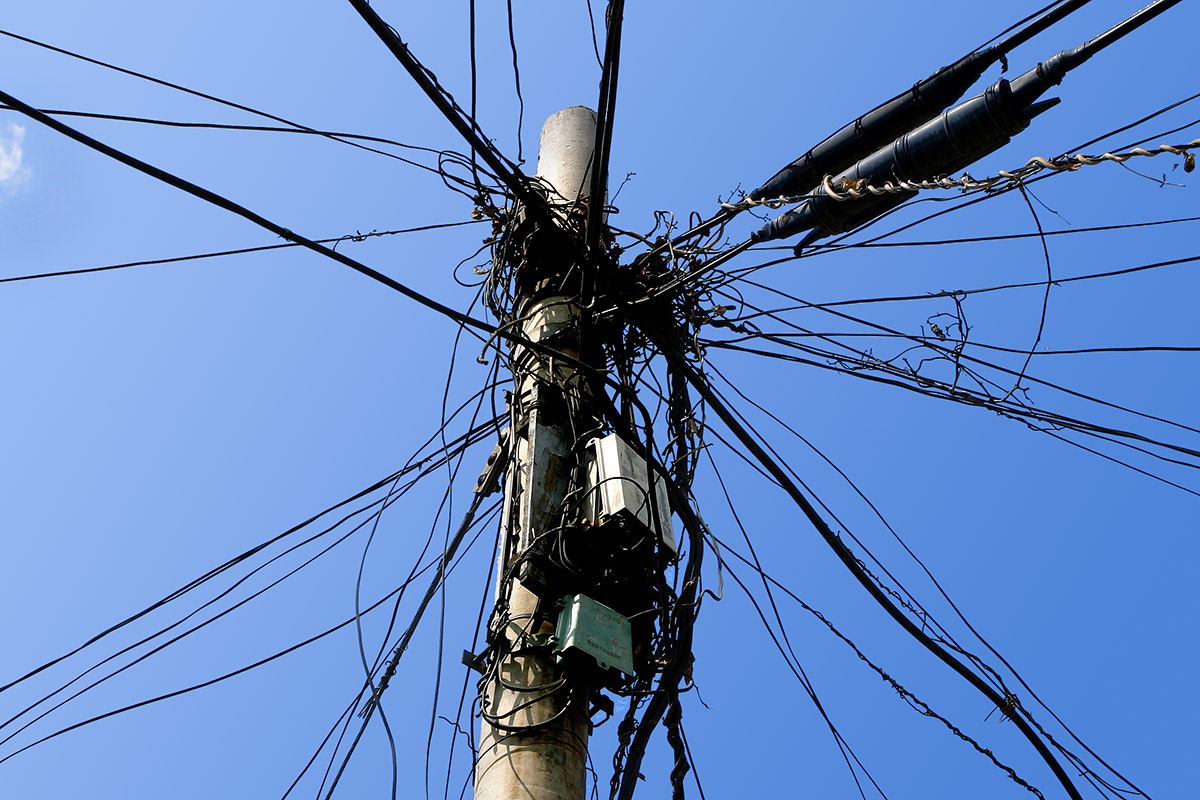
(533,741)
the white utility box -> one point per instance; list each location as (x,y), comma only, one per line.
(618,486)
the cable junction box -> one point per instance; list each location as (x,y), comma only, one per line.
(593,628)
(618,487)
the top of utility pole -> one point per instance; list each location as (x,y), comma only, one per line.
(565,153)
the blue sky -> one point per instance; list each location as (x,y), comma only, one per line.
(158,420)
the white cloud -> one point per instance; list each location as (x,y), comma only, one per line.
(12,153)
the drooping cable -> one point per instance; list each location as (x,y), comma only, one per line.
(847,558)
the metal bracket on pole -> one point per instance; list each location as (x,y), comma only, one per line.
(489,479)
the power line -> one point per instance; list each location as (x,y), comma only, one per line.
(425,468)
(945,351)
(344,139)
(606,106)
(352,237)
(848,559)
(507,172)
(245,213)
(262,129)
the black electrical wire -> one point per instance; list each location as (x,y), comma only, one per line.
(346,715)
(373,701)
(290,245)
(479,623)
(946,352)
(789,656)
(1119,462)
(875,242)
(972,197)
(487,391)
(843,148)
(834,245)
(396,608)
(259,129)
(595,43)
(229,205)
(1049,15)
(1137,122)
(279,230)
(908,697)
(212,619)
(362,649)
(1158,137)
(1051,420)
(474,81)
(460,443)
(372,697)
(674,669)
(354,237)
(1045,297)
(507,172)
(925,614)
(1002,405)
(448,501)
(999,237)
(1126,26)
(982,290)
(848,559)
(197,582)
(198,686)
(294,126)
(607,107)
(1033,30)
(917,607)
(140,658)
(1010,187)
(931,339)
(512,43)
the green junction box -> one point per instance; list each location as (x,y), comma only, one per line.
(595,629)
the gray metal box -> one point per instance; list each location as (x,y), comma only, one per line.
(617,485)
(595,629)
